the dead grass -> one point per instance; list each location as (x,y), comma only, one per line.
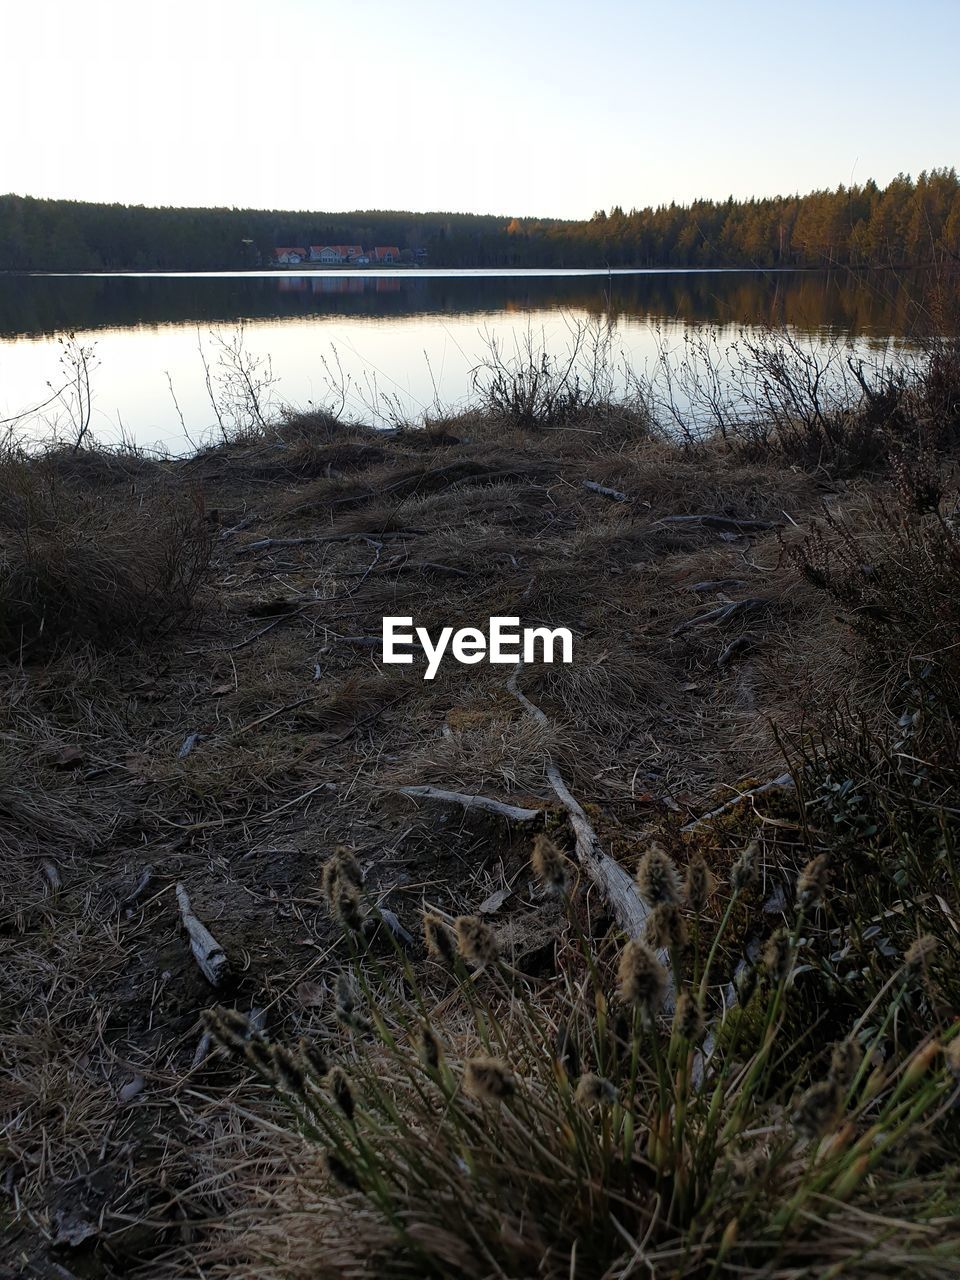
(299,736)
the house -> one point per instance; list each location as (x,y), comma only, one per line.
(385,254)
(289,256)
(334,253)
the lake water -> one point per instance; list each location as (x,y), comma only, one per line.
(394,342)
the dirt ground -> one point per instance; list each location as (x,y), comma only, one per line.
(233,753)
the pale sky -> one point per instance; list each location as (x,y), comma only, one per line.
(522,107)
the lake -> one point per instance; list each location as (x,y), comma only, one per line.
(386,343)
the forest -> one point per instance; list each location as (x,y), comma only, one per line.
(909,222)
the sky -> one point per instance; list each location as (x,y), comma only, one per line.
(525,108)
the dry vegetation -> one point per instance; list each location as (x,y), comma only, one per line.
(191,694)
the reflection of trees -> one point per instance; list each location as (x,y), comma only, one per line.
(875,302)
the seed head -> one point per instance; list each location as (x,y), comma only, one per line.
(346,906)
(819,1109)
(699,884)
(688,1020)
(229,1028)
(259,1055)
(476,941)
(919,952)
(349,867)
(952,1055)
(812,881)
(746,869)
(745,981)
(642,979)
(919,1064)
(287,1071)
(665,926)
(778,956)
(338,1086)
(657,877)
(594,1090)
(488,1079)
(428,1047)
(439,938)
(346,993)
(844,1061)
(340,1171)
(313,1060)
(550,866)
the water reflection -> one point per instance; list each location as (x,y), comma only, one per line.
(408,337)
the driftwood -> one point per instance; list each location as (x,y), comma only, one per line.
(207,951)
(723,613)
(604,492)
(723,524)
(139,889)
(718,584)
(735,649)
(618,888)
(473,804)
(267,544)
(785,780)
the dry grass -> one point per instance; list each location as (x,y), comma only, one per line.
(234,754)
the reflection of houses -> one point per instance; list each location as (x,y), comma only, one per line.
(290,257)
(385,254)
(335,253)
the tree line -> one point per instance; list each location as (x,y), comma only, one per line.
(910,222)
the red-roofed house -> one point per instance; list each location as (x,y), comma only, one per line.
(290,256)
(385,253)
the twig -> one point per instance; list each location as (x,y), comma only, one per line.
(483,804)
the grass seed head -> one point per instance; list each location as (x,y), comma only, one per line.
(812,882)
(229,1028)
(688,1019)
(919,952)
(699,883)
(476,941)
(428,1047)
(818,1110)
(488,1079)
(439,938)
(313,1059)
(339,1088)
(287,1071)
(665,926)
(844,1061)
(594,1090)
(641,978)
(778,956)
(746,869)
(346,906)
(260,1057)
(550,866)
(657,877)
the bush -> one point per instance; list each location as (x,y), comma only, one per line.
(583,1128)
(83,564)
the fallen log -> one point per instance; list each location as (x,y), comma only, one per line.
(723,524)
(207,951)
(614,494)
(723,613)
(785,780)
(473,804)
(618,888)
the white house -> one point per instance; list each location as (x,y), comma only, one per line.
(334,253)
(385,254)
(290,256)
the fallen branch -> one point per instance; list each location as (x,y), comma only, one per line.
(266,544)
(207,951)
(617,887)
(723,613)
(475,804)
(604,492)
(784,781)
(723,524)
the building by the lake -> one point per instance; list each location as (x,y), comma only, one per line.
(336,255)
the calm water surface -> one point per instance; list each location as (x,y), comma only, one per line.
(391,340)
